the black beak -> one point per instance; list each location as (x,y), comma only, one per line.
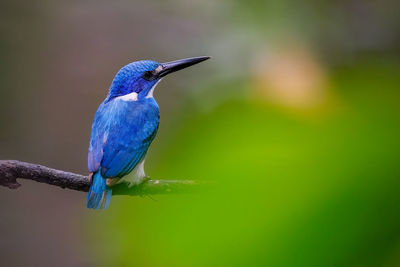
(169,67)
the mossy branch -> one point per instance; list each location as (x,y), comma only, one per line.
(11,170)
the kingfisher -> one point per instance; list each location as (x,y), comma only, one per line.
(124,126)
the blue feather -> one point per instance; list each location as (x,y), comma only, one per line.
(125,124)
(99,195)
(122,132)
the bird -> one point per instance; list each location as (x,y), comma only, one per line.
(124,126)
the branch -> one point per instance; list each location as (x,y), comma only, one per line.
(10,170)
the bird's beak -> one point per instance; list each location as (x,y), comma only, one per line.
(169,67)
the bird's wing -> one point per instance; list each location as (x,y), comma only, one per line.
(121,134)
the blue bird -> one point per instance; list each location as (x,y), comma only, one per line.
(124,126)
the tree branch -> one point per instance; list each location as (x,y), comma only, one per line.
(10,170)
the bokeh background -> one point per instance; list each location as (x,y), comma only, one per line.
(295,120)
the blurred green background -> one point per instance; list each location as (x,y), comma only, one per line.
(295,121)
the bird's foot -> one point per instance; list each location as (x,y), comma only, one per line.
(90,177)
(137,181)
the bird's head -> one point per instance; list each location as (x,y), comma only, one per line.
(138,79)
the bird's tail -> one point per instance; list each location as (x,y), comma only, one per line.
(99,195)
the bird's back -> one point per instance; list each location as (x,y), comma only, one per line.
(121,134)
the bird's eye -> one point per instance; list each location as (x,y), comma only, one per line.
(148,75)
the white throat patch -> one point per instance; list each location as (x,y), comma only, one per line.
(129,97)
(150,94)
(134,96)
